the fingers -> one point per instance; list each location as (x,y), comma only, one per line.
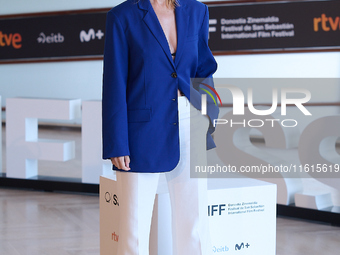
(127,161)
(122,163)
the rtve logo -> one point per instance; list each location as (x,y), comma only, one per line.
(13,40)
(114,237)
(326,23)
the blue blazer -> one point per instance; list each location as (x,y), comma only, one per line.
(140,82)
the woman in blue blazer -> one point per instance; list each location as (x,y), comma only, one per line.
(152,50)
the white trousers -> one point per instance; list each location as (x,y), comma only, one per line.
(188,196)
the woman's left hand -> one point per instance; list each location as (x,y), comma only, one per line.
(122,162)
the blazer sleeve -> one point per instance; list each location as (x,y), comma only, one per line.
(115,75)
(207,66)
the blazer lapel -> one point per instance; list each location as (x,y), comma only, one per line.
(182,22)
(151,20)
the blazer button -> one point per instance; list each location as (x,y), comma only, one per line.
(174,75)
(174,99)
(175,123)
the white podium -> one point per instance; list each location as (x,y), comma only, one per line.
(242,217)
(93,166)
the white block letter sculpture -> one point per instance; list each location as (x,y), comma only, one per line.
(23,146)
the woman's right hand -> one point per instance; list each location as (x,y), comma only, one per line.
(122,162)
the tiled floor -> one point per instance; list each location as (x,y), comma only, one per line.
(44,223)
